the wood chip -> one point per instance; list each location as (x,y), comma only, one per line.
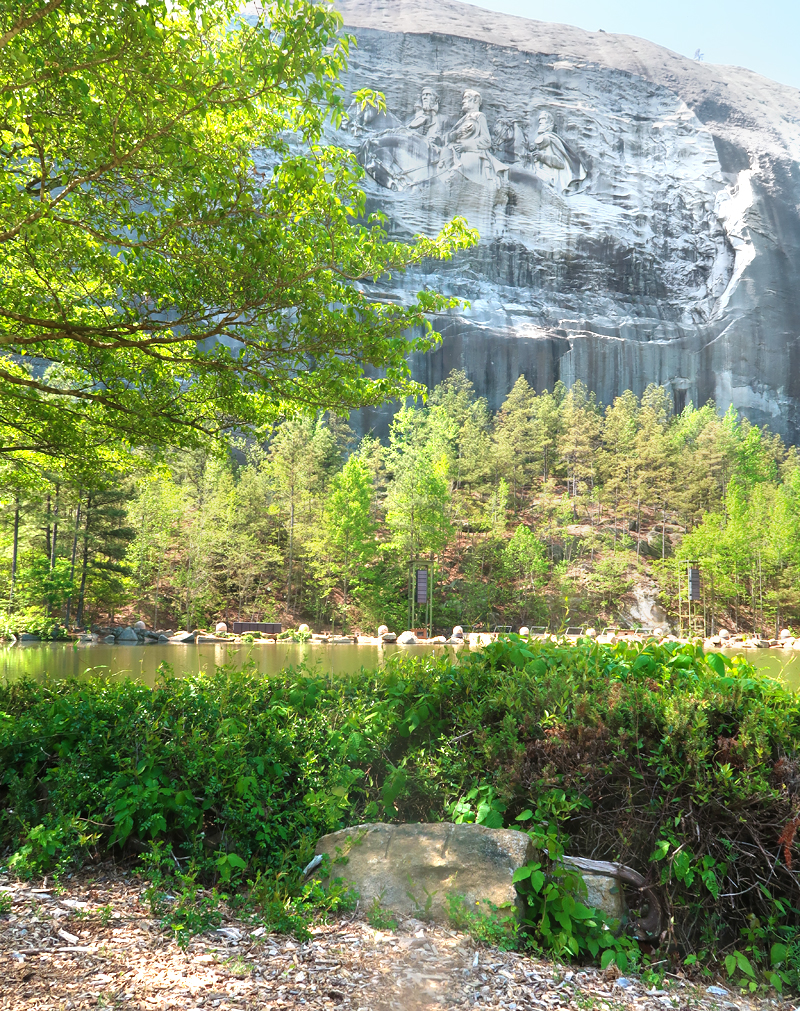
(131,963)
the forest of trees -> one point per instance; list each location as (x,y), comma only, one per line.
(548,512)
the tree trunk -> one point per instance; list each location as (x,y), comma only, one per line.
(591,520)
(188,592)
(291,553)
(49,541)
(55,530)
(14,551)
(74,550)
(85,561)
(155,595)
(638,526)
(663,531)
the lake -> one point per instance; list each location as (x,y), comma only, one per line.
(65,660)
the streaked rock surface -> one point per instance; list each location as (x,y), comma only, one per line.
(638,210)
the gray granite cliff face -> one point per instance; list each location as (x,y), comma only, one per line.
(639,212)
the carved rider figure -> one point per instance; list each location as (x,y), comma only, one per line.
(549,156)
(469,143)
(426,119)
(471,132)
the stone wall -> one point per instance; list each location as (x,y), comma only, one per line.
(638,211)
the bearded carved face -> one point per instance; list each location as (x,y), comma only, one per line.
(430,103)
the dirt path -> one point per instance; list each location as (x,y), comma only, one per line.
(96,945)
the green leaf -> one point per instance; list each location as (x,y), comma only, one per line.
(525,816)
(607,958)
(730,964)
(778,953)
(744,963)
(716,661)
(521,873)
(236,861)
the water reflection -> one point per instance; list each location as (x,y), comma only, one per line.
(65,660)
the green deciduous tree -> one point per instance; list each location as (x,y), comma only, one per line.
(348,526)
(176,239)
(418,494)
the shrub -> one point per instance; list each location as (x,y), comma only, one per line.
(683,766)
(35,620)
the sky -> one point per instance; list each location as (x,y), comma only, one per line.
(762,36)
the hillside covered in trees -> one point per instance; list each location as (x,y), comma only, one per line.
(556,510)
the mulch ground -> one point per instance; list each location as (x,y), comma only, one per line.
(94,943)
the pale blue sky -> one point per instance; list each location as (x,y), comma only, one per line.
(762,36)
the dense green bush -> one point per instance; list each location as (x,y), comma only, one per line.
(36,620)
(683,766)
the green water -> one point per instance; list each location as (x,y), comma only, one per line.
(783,665)
(65,660)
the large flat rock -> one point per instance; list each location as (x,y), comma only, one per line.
(402,866)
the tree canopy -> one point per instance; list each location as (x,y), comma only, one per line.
(181,252)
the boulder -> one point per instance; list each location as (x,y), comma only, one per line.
(604,882)
(140,626)
(434,861)
(221,627)
(524,630)
(407,638)
(458,632)
(603,892)
(109,639)
(303,629)
(209,638)
(786,634)
(180,637)
(382,630)
(28,637)
(163,638)
(127,635)
(389,637)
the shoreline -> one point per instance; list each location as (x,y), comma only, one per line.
(473,640)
